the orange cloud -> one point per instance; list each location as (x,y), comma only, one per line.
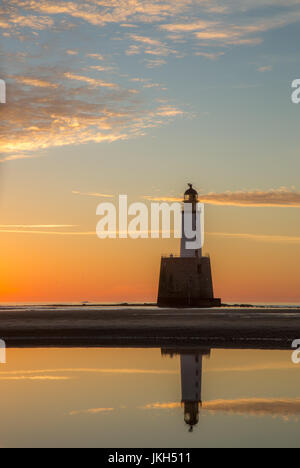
(48,233)
(90,81)
(145,40)
(92,194)
(96,56)
(36,377)
(266,68)
(39,15)
(154,63)
(211,56)
(35,82)
(225,235)
(59,115)
(223,32)
(169,111)
(282,197)
(171,405)
(89,371)
(284,408)
(40,226)
(257,237)
(151,46)
(28,21)
(91,411)
(101,12)
(72,52)
(187,27)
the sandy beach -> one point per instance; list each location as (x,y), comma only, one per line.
(125,326)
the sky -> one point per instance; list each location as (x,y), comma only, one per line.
(108,97)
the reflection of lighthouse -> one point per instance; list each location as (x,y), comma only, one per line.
(191,381)
(191,386)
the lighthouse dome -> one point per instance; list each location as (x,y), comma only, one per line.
(191,195)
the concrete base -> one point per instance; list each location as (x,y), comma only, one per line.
(186,282)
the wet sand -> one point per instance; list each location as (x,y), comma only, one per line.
(148,326)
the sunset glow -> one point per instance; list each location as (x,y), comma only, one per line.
(140,98)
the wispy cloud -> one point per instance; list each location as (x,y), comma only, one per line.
(96,56)
(101,12)
(155,63)
(164,406)
(191,26)
(40,226)
(90,81)
(35,82)
(92,194)
(37,378)
(73,105)
(91,411)
(47,233)
(12,20)
(149,46)
(257,237)
(225,235)
(41,229)
(71,114)
(210,55)
(100,68)
(83,370)
(257,367)
(234,32)
(146,40)
(210,21)
(283,408)
(282,197)
(266,68)
(169,111)
(72,52)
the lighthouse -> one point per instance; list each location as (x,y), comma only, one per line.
(186,280)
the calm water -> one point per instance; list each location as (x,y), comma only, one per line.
(149,398)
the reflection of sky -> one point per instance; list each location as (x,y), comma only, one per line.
(284,408)
(131,398)
(105,98)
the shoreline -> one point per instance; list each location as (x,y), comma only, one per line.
(59,327)
(13,305)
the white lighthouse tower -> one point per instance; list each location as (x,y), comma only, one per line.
(192,222)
